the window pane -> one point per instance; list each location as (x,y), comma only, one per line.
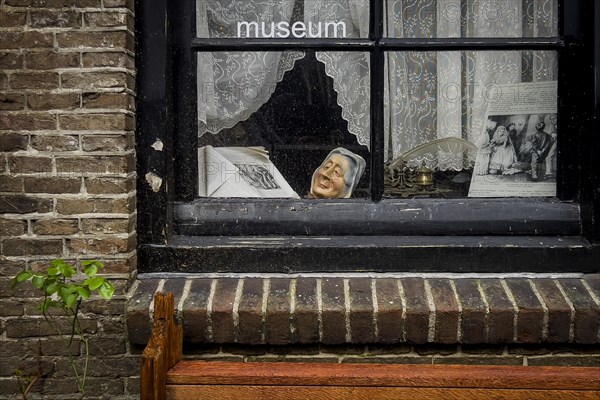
(297,106)
(282,19)
(483,121)
(471,18)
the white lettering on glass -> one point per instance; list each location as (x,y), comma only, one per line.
(298,30)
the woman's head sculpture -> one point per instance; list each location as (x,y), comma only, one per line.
(338,175)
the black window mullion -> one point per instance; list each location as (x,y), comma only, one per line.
(377,101)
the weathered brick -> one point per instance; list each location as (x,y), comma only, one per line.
(593,281)
(55,227)
(55,19)
(52,185)
(54,3)
(277,323)
(28,121)
(45,346)
(12,227)
(10,308)
(12,267)
(106,39)
(109,185)
(102,246)
(94,80)
(55,101)
(223,329)
(3,81)
(27,164)
(13,142)
(566,360)
(195,312)
(105,19)
(106,367)
(24,204)
(108,100)
(446,311)
(305,319)
(25,40)
(333,314)
(559,312)
(96,164)
(474,311)
(108,143)
(362,322)
(96,122)
(176,287)
(11,102)
(587,313)
(92,206)
(55,142)
(119,3)
(390,326)
(530,320)
(107,345)
(501,312)
(20,291)
(11,184)
(417,310)
(50,59)
(108,59)
(25,247)
(250,326)
(12,19)
(138,311)
(487,360)
(106,226)
(34,80)
(121,265)
(11,60)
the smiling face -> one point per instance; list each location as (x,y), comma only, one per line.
(329,179)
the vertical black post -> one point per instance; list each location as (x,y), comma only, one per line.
(377,100)
(153,144)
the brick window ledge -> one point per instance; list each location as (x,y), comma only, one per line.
(373,309)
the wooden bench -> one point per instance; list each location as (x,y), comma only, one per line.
(164,375)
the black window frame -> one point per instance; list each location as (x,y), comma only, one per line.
(178,232)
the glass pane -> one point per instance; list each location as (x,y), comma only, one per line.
(483,122)
(471,18)
(299,107)
(282,19)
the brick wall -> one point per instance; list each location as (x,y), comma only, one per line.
(67,177)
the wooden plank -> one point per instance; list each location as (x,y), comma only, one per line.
(235,392)
(447,376)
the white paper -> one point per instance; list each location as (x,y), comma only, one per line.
(504,166)
(240,172)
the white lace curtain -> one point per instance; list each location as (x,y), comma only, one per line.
(429,95)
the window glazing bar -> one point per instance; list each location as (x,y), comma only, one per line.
(426,44)
(208,44)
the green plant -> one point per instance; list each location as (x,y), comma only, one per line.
(63,291)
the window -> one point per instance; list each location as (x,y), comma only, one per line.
(475,142)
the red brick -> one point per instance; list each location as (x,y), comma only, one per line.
(117,59)
(55,143)
(55,19)
(27,247)
(305,319)
(223,329)
(25,40)
(94,80)
(52,185)
(446,311)
(109,100)
(277,323)
(96,122)
(93,206)
(417,310)
(34,80)
(559,312)
(474,311)
(82,40)
(24,205)
(106,226)
(55,227)
(333,314)
(389,316)
(103,246)
(138,311)
(362,322)
(55,101)
(530,320)
(11,101)
(50,59)
(250,326)
(29,121)
(26,164)
(501,312)
(195,312)
(587,313)
(96,164)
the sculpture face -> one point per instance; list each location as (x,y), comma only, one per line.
(329,180)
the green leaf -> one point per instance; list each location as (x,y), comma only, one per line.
(72,299)
(21,277)
(90,270)
(107,290)
(64,293)
(53,271)
(52,288)
(84,292)
(94,282)
(67,270)
(38,281)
